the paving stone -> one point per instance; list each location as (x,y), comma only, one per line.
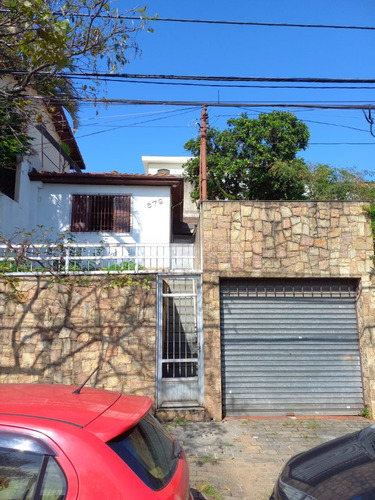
(241,459)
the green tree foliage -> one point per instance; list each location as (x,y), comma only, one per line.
(253,159)
(13,141)
(40,39)
(44,37)
(328,183)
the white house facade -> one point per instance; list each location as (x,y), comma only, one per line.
(173,165)
(107,208)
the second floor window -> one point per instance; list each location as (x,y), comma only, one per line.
(109,213)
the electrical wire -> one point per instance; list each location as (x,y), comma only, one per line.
(219,22)
(171,114)
(135,124)
(232,104)
(100,75)
(228,86)
(211,21)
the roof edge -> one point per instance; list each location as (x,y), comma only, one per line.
(105,178)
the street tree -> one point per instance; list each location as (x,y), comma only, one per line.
(325,182)
(40,40)
(253,159)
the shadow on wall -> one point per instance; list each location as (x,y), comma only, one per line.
(61,334)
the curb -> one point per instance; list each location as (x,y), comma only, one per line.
(197,495)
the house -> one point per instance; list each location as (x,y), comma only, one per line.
(278,320)
(51,137)
(270,311)
(106,220)
(173,165)
(49,189)
(109,207)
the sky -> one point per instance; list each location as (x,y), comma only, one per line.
(117,136)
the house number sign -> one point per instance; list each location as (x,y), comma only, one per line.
(155,203)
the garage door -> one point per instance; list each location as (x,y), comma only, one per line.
(290,347)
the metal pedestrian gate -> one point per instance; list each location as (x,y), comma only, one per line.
(179,342)
(290,346)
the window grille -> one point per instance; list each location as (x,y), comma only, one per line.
(110,213)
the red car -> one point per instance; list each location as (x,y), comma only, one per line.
(63,443)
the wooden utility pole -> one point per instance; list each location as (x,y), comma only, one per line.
(203,156)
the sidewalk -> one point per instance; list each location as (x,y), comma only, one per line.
(240,459)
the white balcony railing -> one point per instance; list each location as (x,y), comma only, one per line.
(73,258)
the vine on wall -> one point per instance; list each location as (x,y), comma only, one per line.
(24,254)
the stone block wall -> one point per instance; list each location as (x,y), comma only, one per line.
(61,334)
(273,239)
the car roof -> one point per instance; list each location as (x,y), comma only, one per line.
(101,412)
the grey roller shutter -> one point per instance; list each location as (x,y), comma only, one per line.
(290,347)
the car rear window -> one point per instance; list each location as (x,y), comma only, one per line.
(149,451)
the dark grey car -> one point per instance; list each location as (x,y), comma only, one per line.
(342,469)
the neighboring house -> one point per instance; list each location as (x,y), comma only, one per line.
(173,165)
(18,197)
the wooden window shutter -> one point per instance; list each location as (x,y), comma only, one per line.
(121,214)
(80,213)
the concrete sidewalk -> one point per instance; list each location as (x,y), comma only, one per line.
(241,458)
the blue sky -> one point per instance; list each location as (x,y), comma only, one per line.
(119,135)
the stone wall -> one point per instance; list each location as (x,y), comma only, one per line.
(61,334)
(285,240)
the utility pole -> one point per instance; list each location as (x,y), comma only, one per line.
(203,155)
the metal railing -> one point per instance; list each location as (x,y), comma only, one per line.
(73,258)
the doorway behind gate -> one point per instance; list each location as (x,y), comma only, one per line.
(179,342)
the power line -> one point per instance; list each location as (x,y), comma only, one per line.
(224,104)
(227,23)
(129,116)
(212,21)
(187,110)
(230,86)
(253,23)
(100,75)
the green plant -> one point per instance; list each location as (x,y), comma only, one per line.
(37,251)
(127,265)
(13,141)
(205,460)
(10,266)
(211,492)
(370,211)
(365,412)
(180,421)
(290,423)
(313,425)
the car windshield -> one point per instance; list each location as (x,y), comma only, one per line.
(149,451)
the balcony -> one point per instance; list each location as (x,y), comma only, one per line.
(78,258)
